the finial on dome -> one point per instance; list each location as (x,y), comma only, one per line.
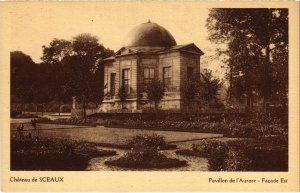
(149,21)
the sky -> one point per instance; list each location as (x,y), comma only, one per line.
(36,24)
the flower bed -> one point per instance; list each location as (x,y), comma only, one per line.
(145,154)
(67,121)
(149,141)
(262,154)
(53,154)
(146,160)
(23,116)
(229,129)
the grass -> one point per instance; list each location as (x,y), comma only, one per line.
(108,137)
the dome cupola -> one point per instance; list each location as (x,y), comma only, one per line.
(149,35)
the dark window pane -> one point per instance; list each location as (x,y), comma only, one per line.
(148,77)
(126,79)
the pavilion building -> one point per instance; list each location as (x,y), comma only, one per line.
(149,52)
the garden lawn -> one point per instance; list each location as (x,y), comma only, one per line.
(116,136)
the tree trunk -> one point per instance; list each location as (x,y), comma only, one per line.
(156,107)
(122,106)
(42,109)
(230,83)
(249,100)
(267,80)
(59,103)
(267,71)
(84,109)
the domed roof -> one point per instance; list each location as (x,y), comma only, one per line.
(149,35)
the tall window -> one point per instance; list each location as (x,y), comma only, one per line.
(112,84)
(190,73)
(148,77)
(126,79)
(167,78)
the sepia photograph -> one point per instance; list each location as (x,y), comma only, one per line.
(155,104)
(99,87)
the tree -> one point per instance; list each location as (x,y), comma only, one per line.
(155,92)
(23,78)
(209,87)
(88,54)
(79,70)
(191,91)
(57,50)
(123,95)
(53,77)
(257,47)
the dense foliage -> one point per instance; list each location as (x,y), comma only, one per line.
(155,92)
(261,154)
(23,79)
(68,69)
(209,88)
(149,141)
(256,51)
(123,95)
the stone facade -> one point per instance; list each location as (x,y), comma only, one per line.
(135,66)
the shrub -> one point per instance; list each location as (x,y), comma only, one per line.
(216,152)
(263,154)
(144,154)
(25,116)
(41,120)
(149,158)
(14,114)
(75,121)
(217,155)
(147,141)
(65,108)
(237,161)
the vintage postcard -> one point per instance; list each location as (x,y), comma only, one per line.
(149,96)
